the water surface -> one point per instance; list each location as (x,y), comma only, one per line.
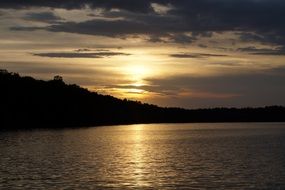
(154,156)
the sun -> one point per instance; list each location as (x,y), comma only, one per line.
(138,71)
(137,74)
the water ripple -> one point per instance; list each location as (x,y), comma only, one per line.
(186,156)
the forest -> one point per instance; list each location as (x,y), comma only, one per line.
(29,103)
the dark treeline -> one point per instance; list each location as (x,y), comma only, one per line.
(26,102)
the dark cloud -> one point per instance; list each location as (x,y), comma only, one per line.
(202,45)
(159,29)
(48,17)
(182,38)
(82,50)
(88,50)
(262,18)
(273,38)
(250,37)
(25,28)
(131,5)
(79,54)
(258,20)
(103,28)
(263,51)
(196,55)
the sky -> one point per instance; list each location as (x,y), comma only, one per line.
(173,53)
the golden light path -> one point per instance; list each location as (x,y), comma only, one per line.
(139,157)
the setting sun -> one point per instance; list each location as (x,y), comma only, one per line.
(137,72)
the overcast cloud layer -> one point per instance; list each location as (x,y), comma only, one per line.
(264,18)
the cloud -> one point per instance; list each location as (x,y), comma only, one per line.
(245,89)
(263,51)
(182,38)
(131,5)
(256,20)
(82,50)
(96,50)
(167,21)
(26,28)
(196,55)
(275,37)
(102,28)
(48,17)
(78,54)
(158,28)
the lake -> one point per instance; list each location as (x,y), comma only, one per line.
(152,156)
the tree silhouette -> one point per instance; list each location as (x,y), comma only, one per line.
(29,103)
(3,71)
(58,78)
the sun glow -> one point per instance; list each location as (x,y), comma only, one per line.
(134,72)
(137,72)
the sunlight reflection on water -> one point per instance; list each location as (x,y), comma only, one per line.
(154,156)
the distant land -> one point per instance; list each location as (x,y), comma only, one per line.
(30,103)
